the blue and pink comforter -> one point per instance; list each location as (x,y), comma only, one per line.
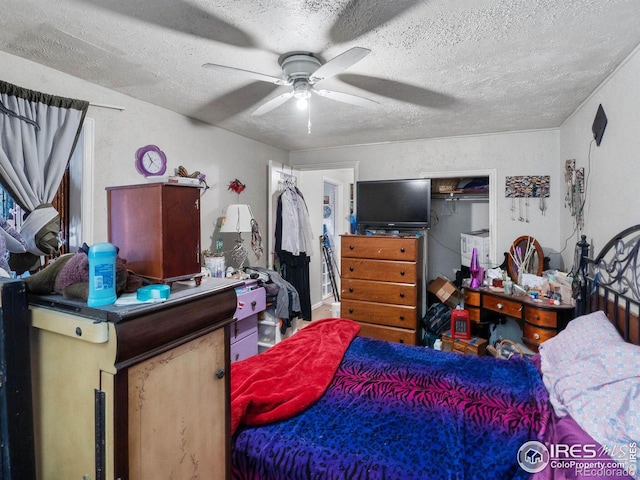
(398,412)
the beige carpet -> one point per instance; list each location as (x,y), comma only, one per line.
(324,311)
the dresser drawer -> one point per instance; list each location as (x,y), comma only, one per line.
(502,305)
(383,270)
(471,298)
(402,316)
(242,328)
(536,335)
(389,334)
(474,314)
(543,318)
(387,248)
(382,292)
(245,348)
(251,302)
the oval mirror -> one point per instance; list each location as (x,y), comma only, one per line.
(526,255)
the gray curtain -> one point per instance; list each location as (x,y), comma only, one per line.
(38,133)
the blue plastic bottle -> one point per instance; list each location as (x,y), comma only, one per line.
(102,274)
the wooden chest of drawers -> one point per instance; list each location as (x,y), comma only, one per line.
(160,241)
(539,320)
(382,285)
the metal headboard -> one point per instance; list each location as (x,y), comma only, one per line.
(611,282)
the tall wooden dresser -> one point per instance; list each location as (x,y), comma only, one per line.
(382,285)
(156,226)
(133,392)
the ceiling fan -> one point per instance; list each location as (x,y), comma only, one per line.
(302,71)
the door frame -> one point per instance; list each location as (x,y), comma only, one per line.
(492,173)
(274,171)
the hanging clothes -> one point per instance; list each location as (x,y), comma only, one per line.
(297,235)
(294,244)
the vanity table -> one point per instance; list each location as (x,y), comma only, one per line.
(539,320)
(133,392)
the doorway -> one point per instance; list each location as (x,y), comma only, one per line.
(310,179)
(330,275)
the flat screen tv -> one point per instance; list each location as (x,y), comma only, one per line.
(393,204)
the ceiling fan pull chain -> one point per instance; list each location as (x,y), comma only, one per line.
(309,119)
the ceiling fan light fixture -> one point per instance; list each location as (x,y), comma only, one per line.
(302,71)
(301,89)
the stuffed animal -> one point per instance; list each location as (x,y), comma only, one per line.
(10,241)
(68,275)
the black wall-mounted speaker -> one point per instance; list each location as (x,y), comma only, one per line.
(599,124)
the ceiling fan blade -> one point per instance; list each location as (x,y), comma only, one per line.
(180,16)
(272,104)
(339,64)
(232,103)
(346,98)
(357,17)
(247,73)
(399,90)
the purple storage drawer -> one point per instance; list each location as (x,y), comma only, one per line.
(243,328)
(250,303)
(245,348)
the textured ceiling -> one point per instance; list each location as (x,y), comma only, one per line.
(437,68)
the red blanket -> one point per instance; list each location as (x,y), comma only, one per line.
(290,376)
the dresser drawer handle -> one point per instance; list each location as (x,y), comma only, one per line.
(350,289)
(351,310)
(351,247)
(220,373)
(500,306)
(253,304)
(401,295)
(402,273)
(351,269)
(402,249)
(402,318)
(536,336)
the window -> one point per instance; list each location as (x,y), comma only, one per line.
(73,200)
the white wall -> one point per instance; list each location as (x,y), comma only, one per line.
(221,155)
(519,153)
(612,190)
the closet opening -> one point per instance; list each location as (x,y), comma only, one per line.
(463,207)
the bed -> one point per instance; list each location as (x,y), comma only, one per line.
(328,404)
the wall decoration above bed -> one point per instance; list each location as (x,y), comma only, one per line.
(523,188)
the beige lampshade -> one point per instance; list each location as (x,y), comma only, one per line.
(237,218)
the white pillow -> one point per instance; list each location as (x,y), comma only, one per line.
(593,375)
